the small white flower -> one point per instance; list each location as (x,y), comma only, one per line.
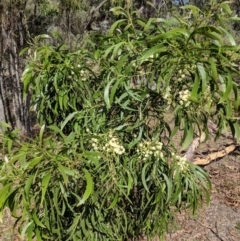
(78,65)
(113,144)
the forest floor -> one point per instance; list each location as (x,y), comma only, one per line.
(220,221)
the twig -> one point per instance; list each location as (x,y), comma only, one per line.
(215,233)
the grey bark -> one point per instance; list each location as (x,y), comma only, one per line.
(13,109)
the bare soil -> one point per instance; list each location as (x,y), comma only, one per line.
(220,221)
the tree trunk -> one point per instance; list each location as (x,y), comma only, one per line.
(13,109)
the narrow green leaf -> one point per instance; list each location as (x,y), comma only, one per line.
(69,117)
(130,183)
(106,94)
(189,136)
(116,48)
(229,36)
(89,187)
(10,143)
(114,89)
(67,170)
(3,194)
(60,101)
(144,177)
(226,7)
(150,53)
(114,202)
(63,173)
(135,141)
(228,89)
(38,235)
(41,134)
(25,228)
(194,10)
(169,187)
(20,156)
(45,182)
(149,24)
(28,186)
(36,219)
(237,131)
(213,69)
(140,22)
(228,109)
(203,75)
(57,130)
(194,93)
(4,124)
(34,161)
(70,138)
(26,77)
(116,24)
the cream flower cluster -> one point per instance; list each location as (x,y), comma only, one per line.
(184,72)
(182,75)
(184,95)
(111,145)
(181,161)
(82,73)
(147,149)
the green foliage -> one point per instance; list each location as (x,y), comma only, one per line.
(57,192)
(108,169)
(58,82)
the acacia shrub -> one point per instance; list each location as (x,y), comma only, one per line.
(109,170)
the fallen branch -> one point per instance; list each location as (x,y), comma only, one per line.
(213,156)
(189,155)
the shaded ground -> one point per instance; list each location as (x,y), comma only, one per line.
(218,222)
